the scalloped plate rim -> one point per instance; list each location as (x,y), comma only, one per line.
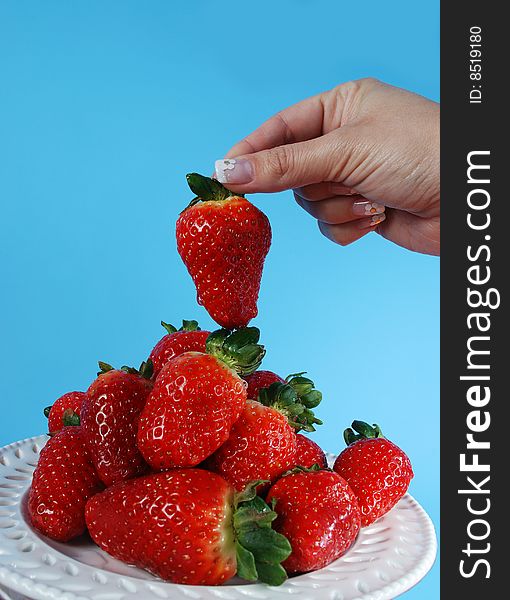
(14,581)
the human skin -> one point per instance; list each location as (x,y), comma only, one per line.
(361,157)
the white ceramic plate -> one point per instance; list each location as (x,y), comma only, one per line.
(387,559)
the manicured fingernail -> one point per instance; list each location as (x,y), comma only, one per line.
(372,221)
(366,208)
(233,170)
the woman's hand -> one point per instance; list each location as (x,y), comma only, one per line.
(361,157)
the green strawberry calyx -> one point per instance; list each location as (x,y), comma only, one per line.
(295,398)
(207,189)
(145,370)
(260,549)
(238,349)
(186,326)
(363,430)
(300,469)
(70,418)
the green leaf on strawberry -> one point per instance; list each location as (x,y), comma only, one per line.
(70,418)
(246,567)
(186,326)
(238,349)
(363,430)
(104,367)
(207,189)
(145,370)
(294,398)
(305,389)
(260,549)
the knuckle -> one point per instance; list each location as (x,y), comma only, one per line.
(279,161)
(247,142)
(288,136)
(368,82)
(355,87)
(349,88)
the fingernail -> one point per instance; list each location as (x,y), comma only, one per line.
(372,221)
(233,170)
(366,208)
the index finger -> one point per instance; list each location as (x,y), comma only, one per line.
(297,123)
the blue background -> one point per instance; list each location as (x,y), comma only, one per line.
(104,106)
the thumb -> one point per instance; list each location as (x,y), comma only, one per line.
(289,166)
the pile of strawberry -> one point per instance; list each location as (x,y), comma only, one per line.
(195,466)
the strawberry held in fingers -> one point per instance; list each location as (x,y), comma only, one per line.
(109,418)
(196,399)
(188,338)
(318,514)
(65,411)
(63,481)
(377,470)
(187,526)
(223,240)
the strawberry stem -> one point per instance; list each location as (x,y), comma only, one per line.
(207,189)
(238,349)
(259,548)
(363,430)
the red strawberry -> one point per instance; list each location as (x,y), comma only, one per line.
(109,419)
(223,240)
(318,514)
(308,453)
(63,481)
(260,379)
(377,470)
(262,443)
(196,399)
(187,526)
(67,406)
(188,338)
